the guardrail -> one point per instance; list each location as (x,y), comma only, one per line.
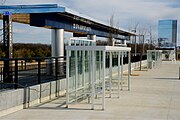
(28,72)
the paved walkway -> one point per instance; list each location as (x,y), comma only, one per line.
(154,95)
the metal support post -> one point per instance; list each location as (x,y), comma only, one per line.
(93,79)
(67,78)
(91,37)
(16,74)
(56,68)
(39,71)
(179,72)
(56,76)
(129,69)
(122,57)
(76,76)
(110,74)
(119,74)
(100,68)
(103,82)
(95,61)
(155,59)
(83,69)
(90,71)
(39,79)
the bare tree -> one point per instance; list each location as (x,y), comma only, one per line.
(141,31)
(133,26)
(141,34)
(152,37)
(113,31)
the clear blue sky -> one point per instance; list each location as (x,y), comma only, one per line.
(127,13)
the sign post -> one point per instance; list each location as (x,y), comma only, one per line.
(7,46)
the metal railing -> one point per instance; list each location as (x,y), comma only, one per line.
(28,72)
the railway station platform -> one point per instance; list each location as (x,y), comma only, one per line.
(154,95)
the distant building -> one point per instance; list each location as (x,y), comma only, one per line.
(167,33)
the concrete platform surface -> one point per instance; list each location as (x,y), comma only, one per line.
(154,95)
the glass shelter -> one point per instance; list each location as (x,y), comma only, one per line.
(154,58)
(89,72)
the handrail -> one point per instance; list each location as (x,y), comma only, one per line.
(36,58)
(28,74)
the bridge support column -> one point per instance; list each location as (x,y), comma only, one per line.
(57,50)
(92,37)
(57,42)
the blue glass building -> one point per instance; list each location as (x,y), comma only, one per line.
(167,33)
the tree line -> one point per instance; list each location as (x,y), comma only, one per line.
(21,50)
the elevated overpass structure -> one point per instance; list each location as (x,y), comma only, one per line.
(61,19)
(58,19)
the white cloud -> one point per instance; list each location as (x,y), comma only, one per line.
(147,12)
(125,11)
